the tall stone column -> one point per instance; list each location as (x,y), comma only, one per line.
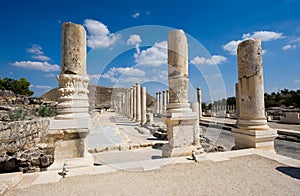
(160,103)
(68,131)
(128,103)
(252,131)
(131,103)
(164,101)
(157,104)
(134,103)
(179,117)
(237,102)
(138,102)
(199,101)
(167,95)
(143,106)
(197,130)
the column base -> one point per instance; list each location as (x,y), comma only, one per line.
(72,163)
(170,151)
(180,128)
(261,139)
(69,146)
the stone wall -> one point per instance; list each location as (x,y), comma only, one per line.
(23,145)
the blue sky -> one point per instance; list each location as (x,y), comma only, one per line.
(123,48)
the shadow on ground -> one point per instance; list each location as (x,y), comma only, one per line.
(294,172)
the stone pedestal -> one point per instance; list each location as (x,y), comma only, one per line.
(179,118)
(68,131)
(252,130)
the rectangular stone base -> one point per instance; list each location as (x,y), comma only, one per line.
(169,151)
(82,123)
(72,163)
(261,139)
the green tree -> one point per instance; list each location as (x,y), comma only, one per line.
(20,87)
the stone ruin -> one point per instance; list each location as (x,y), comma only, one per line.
(252,130)
(68,131)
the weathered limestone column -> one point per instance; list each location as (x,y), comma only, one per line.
(70,128)
(197,130)
(167,95)
(252,131)
(179,117)
(157,104)
(164,101)
(131,103)
(127,102)
(138,102)
(160,103)
(134,103)
(143,106)
(237,102)
(199,101)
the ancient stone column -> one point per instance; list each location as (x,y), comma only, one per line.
(143,106)
(68,131)
(131,103)
(167,95)
(138,102)
(164,101)
(73,80)
(179,117)
(237,102)
(157,104)
(134,103)
(197,130)
(252,131)
(199,101)
(160,103)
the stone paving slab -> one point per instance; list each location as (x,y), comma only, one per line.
(284,129)
(9,180)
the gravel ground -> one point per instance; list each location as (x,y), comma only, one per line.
(249,175)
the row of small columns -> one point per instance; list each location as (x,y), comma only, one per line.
(161,101)
(134,105)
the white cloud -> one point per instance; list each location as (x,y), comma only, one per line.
(264,36)
(42,66)
(231,46)
(41,87)
(153,56)
(135,15)
(214,60)
(99,35)
(287,47)
(35,49)
(297,81)
(50,75)
(134,39)
(94,78)
(124,74)
(123,71)
(41,57)
(37,53)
